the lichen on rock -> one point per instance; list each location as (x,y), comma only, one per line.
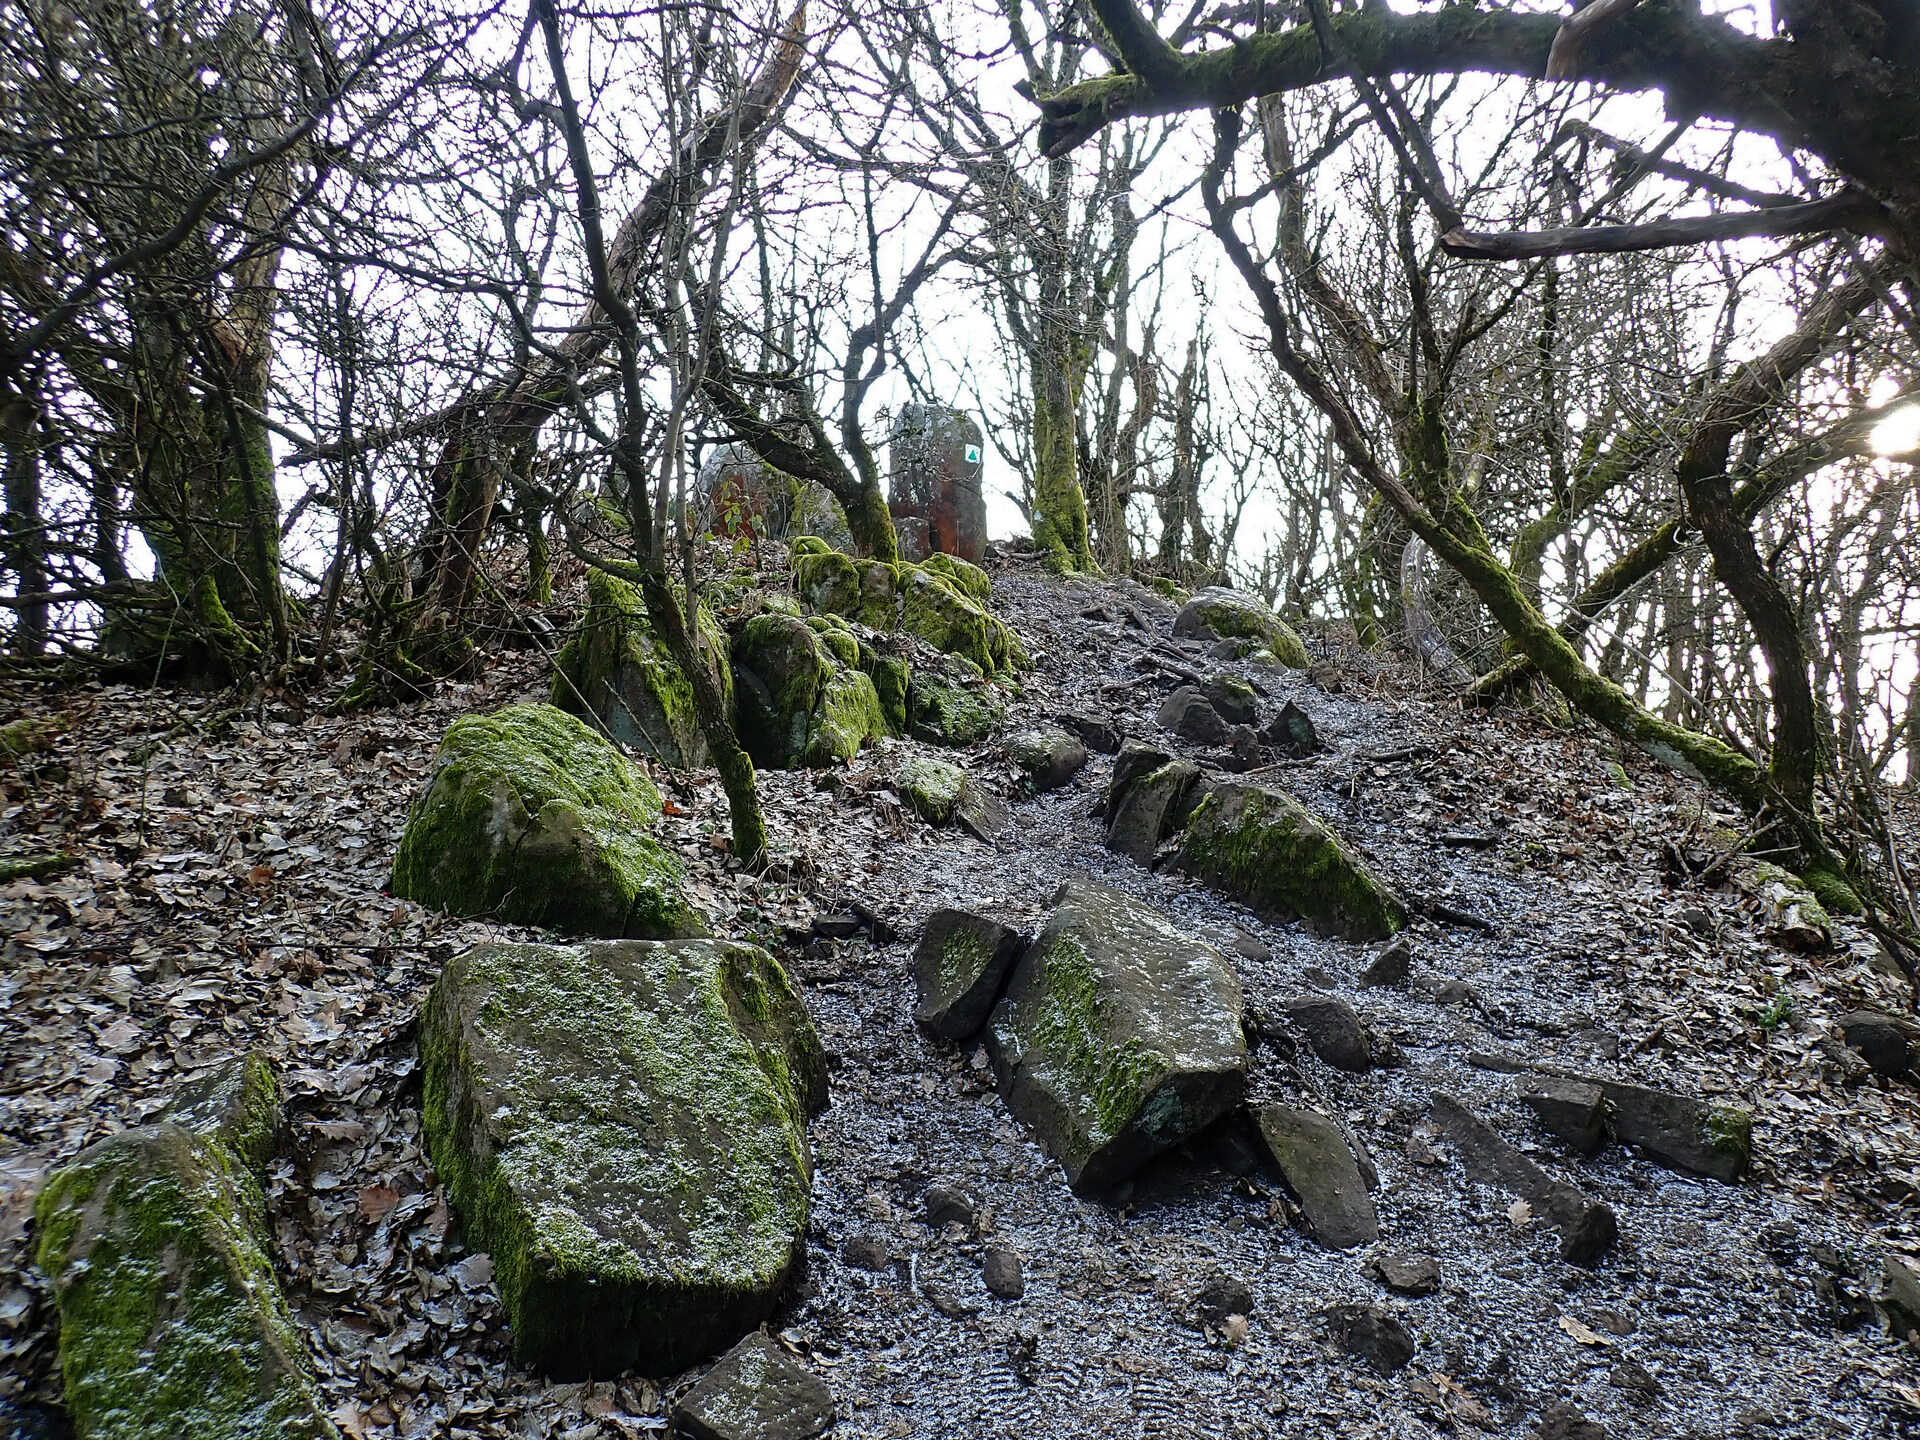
(622,1127)
(531,817)
(156,1240)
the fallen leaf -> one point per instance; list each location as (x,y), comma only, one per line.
(377,1200)
(1581,1333)
(1520,1212)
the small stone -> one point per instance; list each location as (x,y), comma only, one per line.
(756,1392)
(1455,992)
(1318,977)
(1572,1110)
(1096,732)
(984,814)
(1408,1274)
(1901,1296)
(1390,968)
(1781,1240)
(948,1205)
(1313,1157)
(1334,1029)
(842,926)
(1221,1294)
(1884,1042)
(1251,947)
(1003,1274)
(1636,1381)
(1244,748)
(1291,732)
(1561,1421)
(866,1252)
(1372,1333)
(1188,714)
(1233,699)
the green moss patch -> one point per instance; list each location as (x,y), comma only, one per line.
(931,787)
(622,1127)
(1230,615)
(531,817)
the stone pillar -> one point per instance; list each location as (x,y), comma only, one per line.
(936,462)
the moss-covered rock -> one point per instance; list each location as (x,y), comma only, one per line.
(930,786)
(156,1240)
(1119,1035)
(936,610)
(960,967)
(800,699)
(892,678)
(531,817)
(947,704)
(1268,851)
(817,513)
(622,1127)
(1789,907)
(1049,757)
(1229,614)
(29,736)
(966,577)
(827,580)
(620,672)
(1834,892)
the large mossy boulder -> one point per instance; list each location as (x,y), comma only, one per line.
(1228,614)
(620,672)
(802,699)
(943,601)
(529,816)
(1119,1036)
(622,1127)
(158,1247)
(1268,851)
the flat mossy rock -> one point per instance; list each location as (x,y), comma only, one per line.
(1119,1035)
(622,1126)
(1231,615)
(531,817)
(620,672)
(801,699)
(156,1240)
(1789,906)
(1268,851)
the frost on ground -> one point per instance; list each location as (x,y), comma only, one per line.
(226,892)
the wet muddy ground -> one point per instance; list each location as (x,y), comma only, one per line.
(232,898)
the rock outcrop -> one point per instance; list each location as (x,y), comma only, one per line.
(943,601)
(159,1250)
(530,817)
(1231,615)
(1119,1036)
(622,1127)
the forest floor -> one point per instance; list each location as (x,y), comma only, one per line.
(231,896)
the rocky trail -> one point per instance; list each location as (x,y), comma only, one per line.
(227,892)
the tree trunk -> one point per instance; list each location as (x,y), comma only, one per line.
(24,554)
